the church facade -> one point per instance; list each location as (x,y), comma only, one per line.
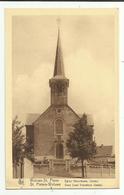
(49,131)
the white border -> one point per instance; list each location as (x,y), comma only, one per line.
(3,5)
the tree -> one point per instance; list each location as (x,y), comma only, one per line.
(18,139)
(29,151)
(21,147)
(80,143)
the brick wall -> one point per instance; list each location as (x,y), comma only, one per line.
(44,131)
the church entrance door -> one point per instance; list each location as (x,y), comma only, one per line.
(59,151)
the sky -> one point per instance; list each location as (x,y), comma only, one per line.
(88,44)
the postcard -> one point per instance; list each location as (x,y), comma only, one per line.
(62,128)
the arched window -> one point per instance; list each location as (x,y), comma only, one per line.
(59,126)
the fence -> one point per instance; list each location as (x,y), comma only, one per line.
(94,171)
(62,168)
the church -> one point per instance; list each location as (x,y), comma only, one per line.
(49,131)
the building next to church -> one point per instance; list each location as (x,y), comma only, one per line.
(49,130)
(104,154)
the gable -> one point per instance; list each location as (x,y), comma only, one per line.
(32,117)
(76,115)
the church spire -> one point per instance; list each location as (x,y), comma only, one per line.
(59,83)
(59,65)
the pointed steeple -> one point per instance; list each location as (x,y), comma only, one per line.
(59,83)
(59,65)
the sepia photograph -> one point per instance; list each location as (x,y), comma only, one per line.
(62,98)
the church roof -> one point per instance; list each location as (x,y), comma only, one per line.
(103,151)
(59,65)
(31,117)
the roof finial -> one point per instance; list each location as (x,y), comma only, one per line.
(58,22)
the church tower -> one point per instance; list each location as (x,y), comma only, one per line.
(59,83)
(50,129)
